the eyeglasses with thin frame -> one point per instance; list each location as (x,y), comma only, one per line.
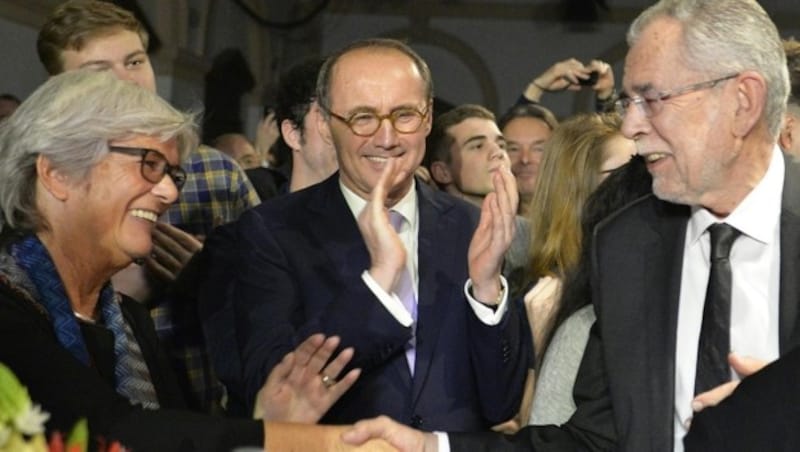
(652,106)
(154,166)
(366,124)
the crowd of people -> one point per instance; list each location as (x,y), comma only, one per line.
(620,279)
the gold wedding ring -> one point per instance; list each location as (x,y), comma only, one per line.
(328,381)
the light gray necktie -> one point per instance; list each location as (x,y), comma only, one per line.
(405,292)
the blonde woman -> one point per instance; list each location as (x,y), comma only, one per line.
(581,153)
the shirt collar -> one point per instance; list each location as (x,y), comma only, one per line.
(407,206)
(758,215)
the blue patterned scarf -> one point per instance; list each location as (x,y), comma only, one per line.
(130,370)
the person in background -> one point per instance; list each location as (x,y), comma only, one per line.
(464,149)
(789,139)
(528,124)
(267,134)
(239,148)
(8,103)
(526,127)
(298,116)
(563,342)
(583,150)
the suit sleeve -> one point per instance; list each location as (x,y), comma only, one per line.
(501,356)
(591,428)
(275,308)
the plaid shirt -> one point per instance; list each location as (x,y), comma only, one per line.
(217,191)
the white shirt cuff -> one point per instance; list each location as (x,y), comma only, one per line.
(389,301)
(486,314)
(442,441)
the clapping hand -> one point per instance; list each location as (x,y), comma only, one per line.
(493,236)
(386,251)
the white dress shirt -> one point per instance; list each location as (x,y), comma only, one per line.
(755,269)
(408,207)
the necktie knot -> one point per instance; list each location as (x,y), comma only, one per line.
(722,237)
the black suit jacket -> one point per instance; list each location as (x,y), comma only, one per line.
(762,414)
(624,390)
(303,257)
(69,390)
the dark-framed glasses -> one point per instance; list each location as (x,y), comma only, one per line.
(154,166)
(652,105)
(365,123)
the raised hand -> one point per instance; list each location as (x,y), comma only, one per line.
(560,76)
(604,88)
(493,236)
(172,250)
(386,251)
(301,388)
(266,134)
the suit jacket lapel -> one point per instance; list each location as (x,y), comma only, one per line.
(662,317)
(336,229)
(790,258)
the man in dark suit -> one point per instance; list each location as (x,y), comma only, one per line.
(327,259)
(705,86)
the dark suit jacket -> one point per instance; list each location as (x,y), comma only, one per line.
(300,274)
(762,414)
(69,390)
(629,362)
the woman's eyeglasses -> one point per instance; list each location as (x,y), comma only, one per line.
(154,166)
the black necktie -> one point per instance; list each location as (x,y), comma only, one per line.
(715,336)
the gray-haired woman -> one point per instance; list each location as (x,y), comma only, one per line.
(87,165)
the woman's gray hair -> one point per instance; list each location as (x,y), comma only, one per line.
(70,119)
(728,37)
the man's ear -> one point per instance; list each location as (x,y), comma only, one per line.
(440,172)
(785,138)
(52,179)
(751,94)
(290,134)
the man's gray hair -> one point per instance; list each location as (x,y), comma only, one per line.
(727,37)
(70,119)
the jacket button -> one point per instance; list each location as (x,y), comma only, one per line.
(416,421)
